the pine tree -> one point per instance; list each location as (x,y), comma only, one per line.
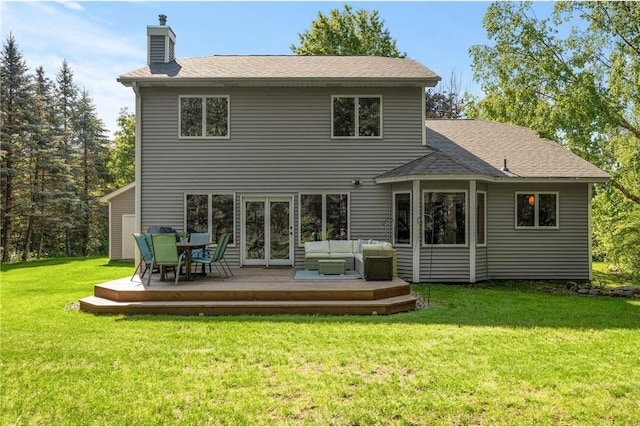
(16,91)
(92,144)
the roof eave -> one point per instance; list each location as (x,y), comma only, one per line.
(280,82)
(487,178)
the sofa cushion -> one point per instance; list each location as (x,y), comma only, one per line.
(341,246)
(316,247)
(317,255)
(373,246)
(343,255)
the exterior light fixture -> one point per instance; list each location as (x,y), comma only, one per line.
(532,199)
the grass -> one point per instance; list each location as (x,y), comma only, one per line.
(476,356)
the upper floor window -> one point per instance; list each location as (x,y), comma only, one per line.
(356,116)
(445,218)
(537,210)
(204,117)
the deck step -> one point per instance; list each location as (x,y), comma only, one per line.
(390,305)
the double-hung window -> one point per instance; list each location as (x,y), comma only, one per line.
(324,217)
(204,116)
(537,210)
(210,213)
(444,218)
(356,116)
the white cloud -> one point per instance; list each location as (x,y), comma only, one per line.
(48,33)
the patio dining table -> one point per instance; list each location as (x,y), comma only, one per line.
(187,247)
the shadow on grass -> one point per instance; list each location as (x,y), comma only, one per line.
(50,262)
(468,306)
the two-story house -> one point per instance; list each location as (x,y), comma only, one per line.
(280,150)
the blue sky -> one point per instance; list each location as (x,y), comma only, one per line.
(102,40)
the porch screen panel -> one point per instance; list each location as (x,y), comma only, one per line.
(222,214)
(402,215)
(444,218)
(197,213)
(310,217)
(337,208)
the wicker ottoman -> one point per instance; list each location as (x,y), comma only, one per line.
(331,266)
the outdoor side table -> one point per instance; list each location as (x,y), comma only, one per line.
(378,268)
(331,266)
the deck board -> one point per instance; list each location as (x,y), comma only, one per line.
(250,291)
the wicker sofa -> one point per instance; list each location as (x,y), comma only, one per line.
(353,252)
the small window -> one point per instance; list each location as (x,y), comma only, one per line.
(222,215)
(536,210)
(356,117)
(204,116)
(481,218)
(444,218)
(402,219)
(324,217)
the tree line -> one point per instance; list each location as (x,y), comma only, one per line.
(54,163)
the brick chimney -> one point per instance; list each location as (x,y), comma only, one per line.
(161,42)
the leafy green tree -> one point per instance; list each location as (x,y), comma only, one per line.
(347,33)
(121,162)
(574,77)
(445,101)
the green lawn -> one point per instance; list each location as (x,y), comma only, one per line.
(476,356)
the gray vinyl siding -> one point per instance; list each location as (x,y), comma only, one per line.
(280,144)
(561,253)
(122,204)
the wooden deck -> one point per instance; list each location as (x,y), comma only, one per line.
(250,291)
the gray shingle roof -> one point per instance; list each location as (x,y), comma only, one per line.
(290,68)
(485,144)
(480,147)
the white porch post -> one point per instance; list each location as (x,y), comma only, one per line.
(416,229)
(473,230)
(138,168)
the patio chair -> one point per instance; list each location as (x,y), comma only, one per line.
(223,242)
(165,254)
(199,253)
(146,256)
(210,258)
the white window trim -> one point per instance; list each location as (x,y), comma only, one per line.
(393,225)
(466,219)
(210,211)
(204,117)
(324,212)
(357,116)
(536,211)
(486,220)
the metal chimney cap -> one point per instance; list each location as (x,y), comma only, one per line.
(163,19)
